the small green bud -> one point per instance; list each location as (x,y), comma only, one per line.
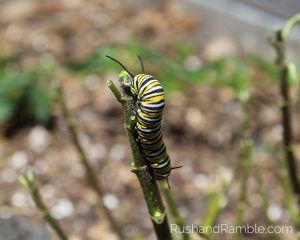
(292,73)
(23,181)
(158,216)
(125,79)
(30,176)
(123,74)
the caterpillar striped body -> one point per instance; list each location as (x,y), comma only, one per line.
(150,98)
(151,101)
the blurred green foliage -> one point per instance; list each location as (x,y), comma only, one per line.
(28,91)
(23,93)
(171,67)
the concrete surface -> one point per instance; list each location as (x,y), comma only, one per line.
(247,23)
(21,228)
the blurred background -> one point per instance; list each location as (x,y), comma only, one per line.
(217,68)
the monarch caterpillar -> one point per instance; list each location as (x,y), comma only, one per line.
(149,95)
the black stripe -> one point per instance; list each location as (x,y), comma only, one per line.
(146,80)
(160,90)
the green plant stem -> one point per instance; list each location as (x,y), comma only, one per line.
(90,174)
(217,201)
(288,192)
(289,26)
(37,198)
(278,42)
(147,182)
(245,167)
(172,207)
(114,90)
(246,156)
(265,199)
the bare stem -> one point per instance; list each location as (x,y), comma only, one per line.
(278,42)
(289,26)
(216,202)
(245,167)
(114,90)
(91,175)
(288,193)
(172,207)
(147,182)
(28,181)
(265,198)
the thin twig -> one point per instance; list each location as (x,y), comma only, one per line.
(147,182)
(245,166)
(278,42)
(288,192)
(28,181)
(90,174)
(172,207)
(114,90)
(289,26)
(216,202)
(265,198)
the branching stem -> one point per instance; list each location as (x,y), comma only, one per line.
(91,175)
(172,206)
(147,182)
(28,182)
(278,41)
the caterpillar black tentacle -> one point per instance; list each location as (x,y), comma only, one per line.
(131,75)
(150,98)
(142,64)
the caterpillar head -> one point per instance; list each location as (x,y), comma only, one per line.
(126,76)
(126,79)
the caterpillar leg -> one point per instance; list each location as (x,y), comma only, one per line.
(167,179)
(176,167)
